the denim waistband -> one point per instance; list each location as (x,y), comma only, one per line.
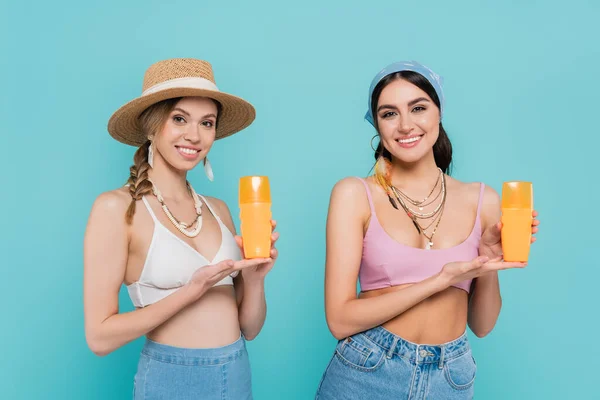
(187,356)
(418,353)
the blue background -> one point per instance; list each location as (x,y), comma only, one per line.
(521,86)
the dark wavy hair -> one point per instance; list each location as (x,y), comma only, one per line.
(442,149)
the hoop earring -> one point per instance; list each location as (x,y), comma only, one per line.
(374,149)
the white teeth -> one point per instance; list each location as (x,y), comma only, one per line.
(187,151)
(411,140)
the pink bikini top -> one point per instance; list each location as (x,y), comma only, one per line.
(386,262)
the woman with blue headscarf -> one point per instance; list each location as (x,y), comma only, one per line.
(426,249)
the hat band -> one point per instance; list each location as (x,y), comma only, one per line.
(184,83)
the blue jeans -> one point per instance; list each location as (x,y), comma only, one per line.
(376,364)
(167,372)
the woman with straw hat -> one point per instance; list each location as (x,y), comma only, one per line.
(197,299)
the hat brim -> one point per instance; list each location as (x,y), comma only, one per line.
(236,114)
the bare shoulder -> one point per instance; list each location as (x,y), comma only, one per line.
(491,198)
(470,191)
(222,211)
(219,206)
(490,203)
(350,189)
(350,196)
(490,207)
(114,202)
(107,217)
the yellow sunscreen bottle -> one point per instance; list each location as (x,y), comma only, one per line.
(517,209)
(255,216)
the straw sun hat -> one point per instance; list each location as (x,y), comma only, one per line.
(179,77)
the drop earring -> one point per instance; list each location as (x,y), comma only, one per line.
(151,155)
(208,169)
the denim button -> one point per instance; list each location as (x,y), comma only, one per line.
(423,353)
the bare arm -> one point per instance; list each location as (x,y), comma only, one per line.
(250,294)
(105,258)
(346,314)
(485,300)
(252,306)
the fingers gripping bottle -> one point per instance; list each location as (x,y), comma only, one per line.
(517,209)
(255,216)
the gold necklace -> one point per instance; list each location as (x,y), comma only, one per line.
(418,214)
(436,214)
(182,226)
(430,238)
(421,206)
(420,203)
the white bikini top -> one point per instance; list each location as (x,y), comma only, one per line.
(171,262)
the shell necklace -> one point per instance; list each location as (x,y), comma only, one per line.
(182,226)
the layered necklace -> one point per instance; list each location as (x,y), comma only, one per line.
(187,229)
(423,221)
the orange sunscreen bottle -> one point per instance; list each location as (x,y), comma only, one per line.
(517,209)
(255,216)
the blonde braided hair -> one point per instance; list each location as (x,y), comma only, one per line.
(152,121)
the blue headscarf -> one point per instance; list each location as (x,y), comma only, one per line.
(432,77)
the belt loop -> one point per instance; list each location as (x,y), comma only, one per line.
(441,363)
(390,352)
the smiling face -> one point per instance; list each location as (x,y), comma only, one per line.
(408,121)
(188,133)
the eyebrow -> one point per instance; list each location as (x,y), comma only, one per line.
(410,104)
(181,110)
(188,114)
(418,100)
(386,107)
